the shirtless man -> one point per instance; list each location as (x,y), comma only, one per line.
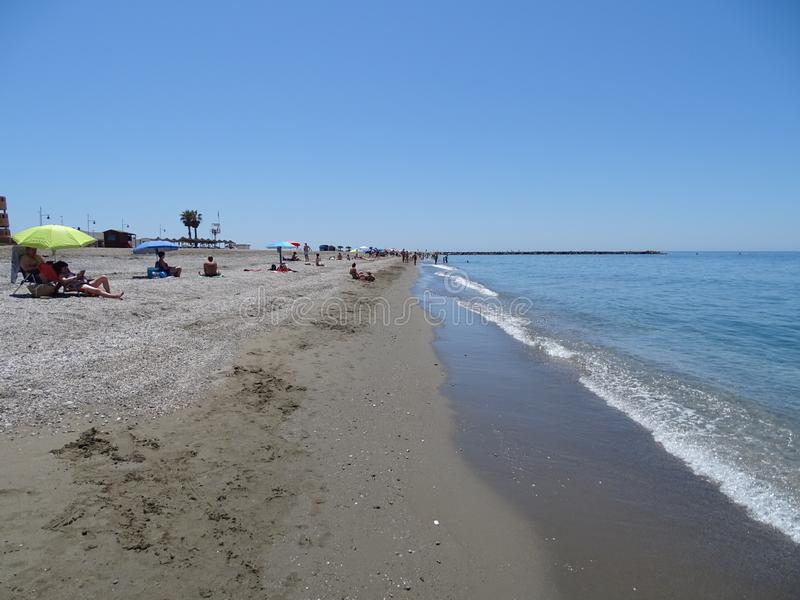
(210,268)
(30,262)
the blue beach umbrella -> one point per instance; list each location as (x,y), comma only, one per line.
(280,246)
(155,246)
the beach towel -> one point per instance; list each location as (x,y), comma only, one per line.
(47,271)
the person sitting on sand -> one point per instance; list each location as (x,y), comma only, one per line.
(98,286)
(162,266)
(356,274)
(29,264)
(282,268)
(294,257)
(319,261)
(210,268)
(339,256)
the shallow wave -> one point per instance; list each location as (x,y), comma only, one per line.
(750,456)
(457,283)
(517,327)
(443,267)
(739,451)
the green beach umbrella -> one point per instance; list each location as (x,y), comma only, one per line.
(52,237)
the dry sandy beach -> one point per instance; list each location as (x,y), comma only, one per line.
(221,439)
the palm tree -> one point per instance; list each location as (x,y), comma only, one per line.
(187,218)
(198,217)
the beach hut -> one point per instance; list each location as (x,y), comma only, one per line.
(113,238)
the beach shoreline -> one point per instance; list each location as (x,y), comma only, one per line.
(621,515)
(320,463)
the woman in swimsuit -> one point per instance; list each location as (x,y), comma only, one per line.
(165,268)
(78,282)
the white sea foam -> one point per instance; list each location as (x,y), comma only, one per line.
(717,439)
(720,448)
(517,327)
(443,267)
(456,283)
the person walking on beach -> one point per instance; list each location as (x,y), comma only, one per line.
(306,250)
(415,258)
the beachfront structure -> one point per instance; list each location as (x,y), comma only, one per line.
(113,238)
(5,227)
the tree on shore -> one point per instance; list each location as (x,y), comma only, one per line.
(187,218)
(198,217)
(191,220)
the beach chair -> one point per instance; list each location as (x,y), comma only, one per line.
(30,278)
(16,255)
(46,285)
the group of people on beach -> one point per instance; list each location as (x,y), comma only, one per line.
(210,267)
(48,277)
(415,256)
(356,274)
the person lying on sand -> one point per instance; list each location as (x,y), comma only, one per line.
(72,282)
(319,262)
(210,268)
(162,265)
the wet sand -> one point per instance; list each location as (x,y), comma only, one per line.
(619,516)
(314,462)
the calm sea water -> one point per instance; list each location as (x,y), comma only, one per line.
(703,350)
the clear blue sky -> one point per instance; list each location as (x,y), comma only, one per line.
(455,125)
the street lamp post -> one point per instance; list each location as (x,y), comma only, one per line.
(42,215)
